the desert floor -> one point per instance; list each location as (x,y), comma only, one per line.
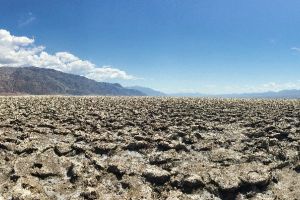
(148,148)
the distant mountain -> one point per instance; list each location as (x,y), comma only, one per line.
(148,91)
(41,81)
(152,92)
(288,94)
(188,95)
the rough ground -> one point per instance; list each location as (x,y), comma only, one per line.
(148,148)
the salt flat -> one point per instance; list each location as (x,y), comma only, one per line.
(54,147)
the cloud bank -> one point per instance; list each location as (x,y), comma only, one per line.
(214,89)
(266,87)
(21,51)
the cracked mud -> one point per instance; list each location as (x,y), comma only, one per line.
(148,148)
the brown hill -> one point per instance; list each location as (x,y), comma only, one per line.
(41,81)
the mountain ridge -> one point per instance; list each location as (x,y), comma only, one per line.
(148,91)
(41,81)
(289,94)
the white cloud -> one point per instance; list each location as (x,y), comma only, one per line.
(236,89)
(21,51)
(266,87)
(27,19)
(106,72)
(295,49)
(273,86)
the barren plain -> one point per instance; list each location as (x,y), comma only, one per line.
(148,148)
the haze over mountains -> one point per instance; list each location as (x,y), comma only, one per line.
(41,81)
(148,91)
(288,94)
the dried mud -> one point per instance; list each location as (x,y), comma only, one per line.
(148,148)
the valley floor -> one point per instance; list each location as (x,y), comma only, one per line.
(148,148)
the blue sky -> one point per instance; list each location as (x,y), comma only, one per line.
(208,46)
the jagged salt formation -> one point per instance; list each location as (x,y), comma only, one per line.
(148,148)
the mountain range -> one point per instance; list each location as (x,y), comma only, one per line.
(41,81)
(148,91)
(288,94)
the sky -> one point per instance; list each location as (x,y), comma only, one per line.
(207,46)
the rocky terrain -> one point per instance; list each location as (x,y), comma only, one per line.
(148,148)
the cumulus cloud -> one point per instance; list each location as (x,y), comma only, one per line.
(18,51)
